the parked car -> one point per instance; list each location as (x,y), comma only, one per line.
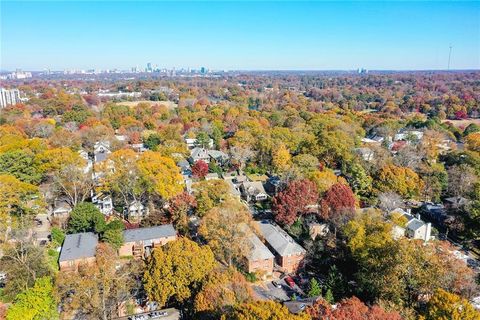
(158,314)
(290,282)
(276,284)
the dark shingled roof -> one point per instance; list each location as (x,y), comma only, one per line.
(278,239)
(142,234)
(78,246)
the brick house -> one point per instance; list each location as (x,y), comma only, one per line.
(78,249)
(140,242)
(289,255)
(259,259)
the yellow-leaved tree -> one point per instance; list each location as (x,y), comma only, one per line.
(160,174)
(448,306)
(263,310)
(401,180)
(281,158)
(325,179)
(172,270)
(53,160)
(124,180)
(17,199)
(472,141)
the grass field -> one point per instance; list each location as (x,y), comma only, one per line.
(168,104)
(463,123)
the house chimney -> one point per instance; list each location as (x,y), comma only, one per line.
(428,231)
(418,216)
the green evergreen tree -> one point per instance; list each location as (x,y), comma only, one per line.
(203,140)
(329,296)
(335,282)
(315,290)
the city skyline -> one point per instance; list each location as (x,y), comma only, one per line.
(318,35)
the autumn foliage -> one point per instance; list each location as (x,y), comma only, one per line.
(401,180)
(338,199)
(350,309)
(262,310)
(200,169)
(295,200)
(445,305)
(222,288)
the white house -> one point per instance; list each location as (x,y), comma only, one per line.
(84,155)
(61,210)
(415,228)
(403,135)
(136,210)
(192,143)
(103,202)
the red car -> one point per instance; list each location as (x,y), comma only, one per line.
(290,282)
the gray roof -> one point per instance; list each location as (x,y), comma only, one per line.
(258,250)
(233,188)
(412,222)
(278,239)
(298,306)
(78,246)
(202,153)
(217,154)
(183,164)
(142,234)
(199,153)
(458,201)
(253,188)
(415,224)
(101,156)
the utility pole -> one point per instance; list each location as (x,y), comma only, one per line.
(449,56)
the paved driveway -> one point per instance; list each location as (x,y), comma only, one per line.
(267,291)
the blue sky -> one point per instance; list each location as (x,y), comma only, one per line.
(240,35)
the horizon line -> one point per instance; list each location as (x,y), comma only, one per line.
(232,70)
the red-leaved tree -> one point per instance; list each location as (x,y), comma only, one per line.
(178,210)
(350,309)
(200,169)
(297,198)
(338,201)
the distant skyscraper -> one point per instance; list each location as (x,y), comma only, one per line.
(149,67)
(9,97)
(19,74)
(203,70)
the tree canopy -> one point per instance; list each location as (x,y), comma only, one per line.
(172,271)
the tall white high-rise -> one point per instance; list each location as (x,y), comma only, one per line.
(9,97)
